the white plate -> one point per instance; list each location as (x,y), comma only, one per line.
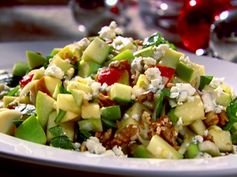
(17,149)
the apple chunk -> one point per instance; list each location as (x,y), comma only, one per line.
(7,118)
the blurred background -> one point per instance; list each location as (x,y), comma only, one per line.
(204,27)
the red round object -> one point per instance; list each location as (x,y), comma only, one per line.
(195,20)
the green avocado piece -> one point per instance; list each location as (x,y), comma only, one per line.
(171,58)
(90,125)
(141,151)
(31,130)
(35,59)
(121,93)
(124,55)
(192,151)
(184,72)
(204,80)
(62,64)
(97,51)
(20,69)
(86,68)
(146,52)
(44,106)
(190,110)
(111,112)
(159,148)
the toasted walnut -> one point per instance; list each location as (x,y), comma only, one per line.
(138,42)
(147,96)
(164,127)
(105,137)
(134,77)
(125,136)
(211,119)
(105,101)
(223,119)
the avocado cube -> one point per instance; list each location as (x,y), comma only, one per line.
(124,55)
(90,125)
(97,51)
(86,68)
(31,130)
(91,111)
(146,52)
(66,102)
(171,58)
(121,93)
(111,112)
(184,72)
(35,59)
(62,64)
(190,111)
(44,106)
(161,149)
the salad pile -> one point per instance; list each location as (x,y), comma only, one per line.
(116,96)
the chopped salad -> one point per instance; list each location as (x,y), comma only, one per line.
(112,95)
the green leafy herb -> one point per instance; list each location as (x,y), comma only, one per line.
(63,90)
(18,122)
(14,91)
(159,103)
(61,142)
(56,130)
(155,40)
(232,114)
(60,116)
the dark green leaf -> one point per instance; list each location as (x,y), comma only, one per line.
(61,142)
(56,130)
(14,91)
(60,116)
(63,90)
(18,122)
(155,40)
(231,112)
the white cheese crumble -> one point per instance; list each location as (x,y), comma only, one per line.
(182,92)
(121,42)
(118,151)
(216,82)
(96,87)
(156,81)
(137,91)
(209,103)
(136,65)
(148,61)
(54,71)
(94,146)
(152,73)
(160,51)
(110,32)
(197,139)
(203,155)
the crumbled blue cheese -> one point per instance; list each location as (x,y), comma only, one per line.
(96,87)
(118,151)
(136,117)
(136,65)
(137,91)
(156,81)
(182,92)
(160,51)
(216,82)
(54,71)
(148,61)
(152,73)
(94,146)
(209,103)
(203,155)
(197,139)
(110,32)
(122,42)
(76,146)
